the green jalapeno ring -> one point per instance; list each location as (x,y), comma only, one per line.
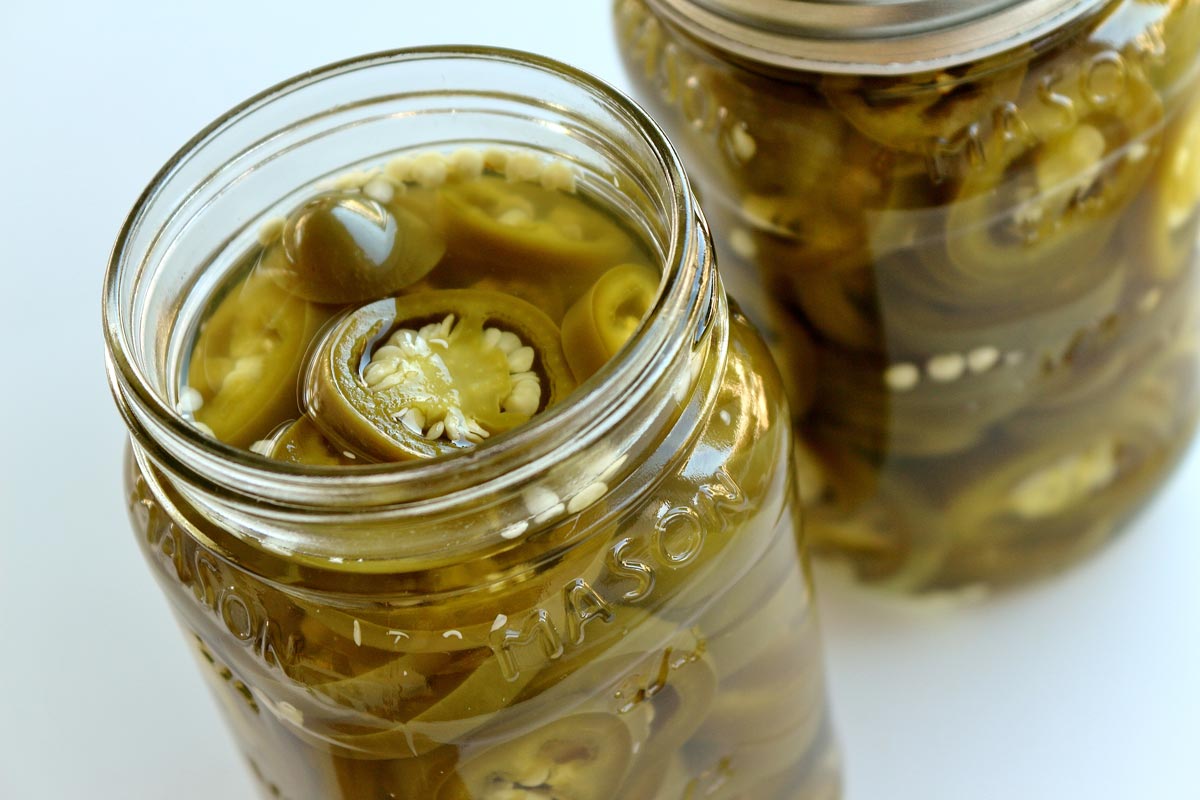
(1173,210)
(742,769)
(764,698)
(248,357)
(682,699)
(890,541)
(843,308)
(458,375)
(599,323)
(580,757)
(1033,220)
(1174,72)
(918,329)
(798,235)
(504,228)
(1106,360)
(858,404)
(1046,490)
(999,547)
(345,247)
(911,112)
(302,442)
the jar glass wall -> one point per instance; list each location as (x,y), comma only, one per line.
(610,601)
(979,279)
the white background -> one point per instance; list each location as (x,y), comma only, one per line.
(1085,687)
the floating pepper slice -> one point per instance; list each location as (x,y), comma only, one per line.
(520,227)
(580,757)
(248,357)
(433,373)
(303,443)
(346,247)
(602,321)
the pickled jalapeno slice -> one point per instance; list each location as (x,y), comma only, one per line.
(546,295)
(1065,481)
(1174,70)
(602,321)
(580,757)
(1022,337)
(303,443)
(524,228)
(1035,217)
(911,112)
(346,247)
(1058,494)
(680,698)
(1052,488)
(432,373)
(781,137)
(748,706)
(1175,204)
(378,778)
(248,357)
(843,307)
(803,234)
(857,411)
(441,698)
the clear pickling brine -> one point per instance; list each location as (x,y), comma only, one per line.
(460,474)
(973,242)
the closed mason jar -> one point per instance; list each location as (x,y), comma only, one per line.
(610,601)
(970,229)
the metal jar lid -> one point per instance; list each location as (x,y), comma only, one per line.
(872,37)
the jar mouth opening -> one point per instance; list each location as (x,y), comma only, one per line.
(581,418)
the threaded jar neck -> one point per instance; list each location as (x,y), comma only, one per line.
(870,37)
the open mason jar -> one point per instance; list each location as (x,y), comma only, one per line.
(609,600)
(970,229)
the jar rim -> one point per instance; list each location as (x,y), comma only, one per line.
(870,37)
(186,453)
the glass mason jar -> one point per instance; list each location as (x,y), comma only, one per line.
(611,601)
(970,230)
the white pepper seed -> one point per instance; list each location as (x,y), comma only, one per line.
(467,163)
(981,359)
(946,367)
(902,377)
(587,496)
(380,190)
(558,176)
(270,230)
(190,401)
